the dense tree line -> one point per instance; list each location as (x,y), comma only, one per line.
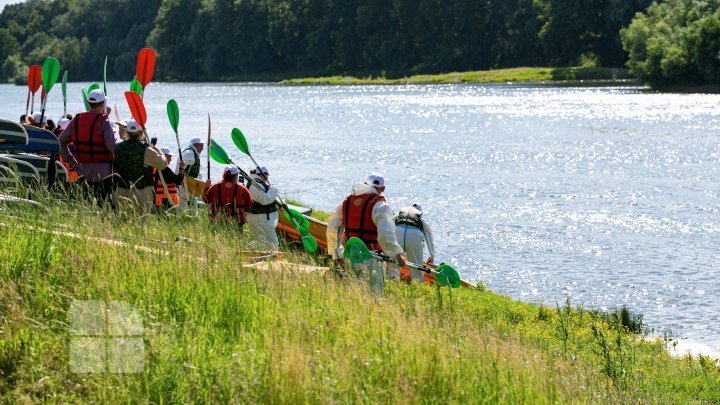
(676,42)
(231,39)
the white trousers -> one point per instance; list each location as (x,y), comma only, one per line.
(262,229)
(373,272)
(412,241)
(183,206)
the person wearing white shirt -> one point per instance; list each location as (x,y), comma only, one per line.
(365,214)
(413,234)
(191,161)
(262,218)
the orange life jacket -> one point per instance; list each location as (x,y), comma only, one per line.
(88,140)
(72,174)
(357,218)
(160,198)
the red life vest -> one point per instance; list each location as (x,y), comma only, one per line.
(160,198)
(357,218)
(225,204)
(88,140)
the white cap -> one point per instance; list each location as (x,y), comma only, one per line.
(166,151)
(232,169)
(96,96)
(418,207)
(375,180)
(131,126)
(37,117)
(262,169)
(196,141)
(63,123)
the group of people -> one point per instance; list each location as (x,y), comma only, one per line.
(365,214)
(135,173)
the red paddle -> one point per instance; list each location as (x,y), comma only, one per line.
(145,66)
(137,109)
(34,81)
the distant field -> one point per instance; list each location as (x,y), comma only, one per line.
(520,74)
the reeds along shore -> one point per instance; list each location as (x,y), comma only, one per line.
(217,328)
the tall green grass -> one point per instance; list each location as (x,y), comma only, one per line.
(219,329)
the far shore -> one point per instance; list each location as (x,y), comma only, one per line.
(519,74)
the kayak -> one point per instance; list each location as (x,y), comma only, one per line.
(12,133)
(38,140)
(14,170)
(41,163)
(318,229)
(195,187)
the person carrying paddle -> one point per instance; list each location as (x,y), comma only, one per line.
(262,217)
(134,164)
(365,214)
(412,234)
(228,199)
(171,179)
(93,150)
(191,160)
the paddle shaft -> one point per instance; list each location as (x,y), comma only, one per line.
(410,265)
(162,178)
(27,104)
(185,190)
(208,144)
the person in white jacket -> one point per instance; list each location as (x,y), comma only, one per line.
(413,233)
(365,214)
(262,218)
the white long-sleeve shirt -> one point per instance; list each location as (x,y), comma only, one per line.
(188,157)
(381,216)
(260,195)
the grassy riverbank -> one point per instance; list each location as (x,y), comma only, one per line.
(521,74)
(219,328)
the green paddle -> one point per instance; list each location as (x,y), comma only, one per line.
(105,77)
(64,92)
(219,155)
(92,87)
(357,252)
(50,73)
(85,100)
(173,112)
(136,86)
(293,216)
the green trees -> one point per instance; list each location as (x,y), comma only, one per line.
(227,39)
(577,30)
(677,41)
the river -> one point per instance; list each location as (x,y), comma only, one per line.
(607,196)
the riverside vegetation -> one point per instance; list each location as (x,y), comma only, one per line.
(218,328)
(522,74)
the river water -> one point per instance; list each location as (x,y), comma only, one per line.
(607,196)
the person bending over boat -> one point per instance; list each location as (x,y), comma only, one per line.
(172,181)
(93,149)
(228,199)
(365,214)
(412,234)
(134,163)
(262,217)
(191,159)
